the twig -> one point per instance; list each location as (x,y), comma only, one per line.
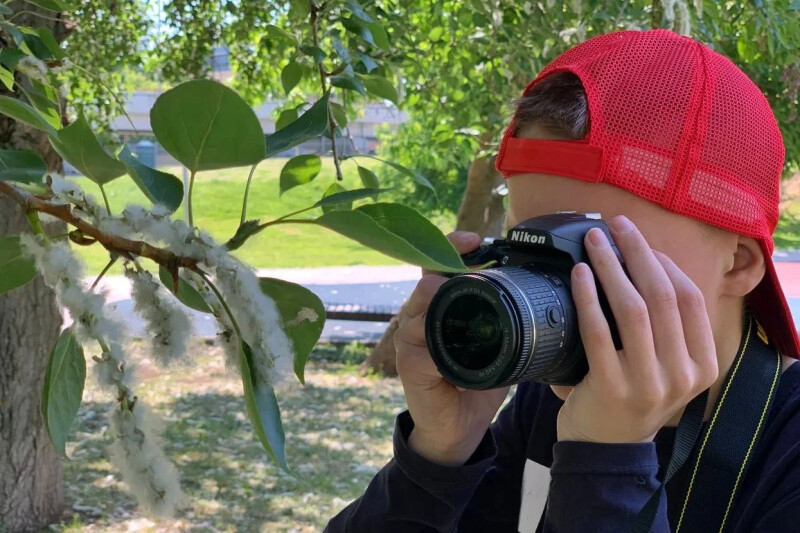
(322,79)
(112,243)
(103,273)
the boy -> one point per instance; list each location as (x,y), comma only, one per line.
(680,153)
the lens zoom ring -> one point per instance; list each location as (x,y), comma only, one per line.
(526,333)
(544,342)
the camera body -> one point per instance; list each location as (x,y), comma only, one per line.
(517,321)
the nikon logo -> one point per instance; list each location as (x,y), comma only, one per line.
(524,236)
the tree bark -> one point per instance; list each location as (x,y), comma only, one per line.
(31,494)
(482,209)
(483,212)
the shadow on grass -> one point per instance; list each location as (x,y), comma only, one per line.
(337,438)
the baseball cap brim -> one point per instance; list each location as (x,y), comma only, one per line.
(771,308)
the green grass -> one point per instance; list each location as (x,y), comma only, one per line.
(217,205)
(787,234)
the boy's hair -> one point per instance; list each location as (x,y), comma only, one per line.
(558,104)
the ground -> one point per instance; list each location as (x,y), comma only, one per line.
(338,434)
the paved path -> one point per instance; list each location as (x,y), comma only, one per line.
(365,285)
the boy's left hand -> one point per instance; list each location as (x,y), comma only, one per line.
(669,355)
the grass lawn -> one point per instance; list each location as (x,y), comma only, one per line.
(338,435)
(217,205)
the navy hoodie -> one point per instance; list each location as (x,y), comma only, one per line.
(593,487)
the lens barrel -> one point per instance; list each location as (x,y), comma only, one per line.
(500,326)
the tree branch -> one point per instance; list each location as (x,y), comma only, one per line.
(112,243)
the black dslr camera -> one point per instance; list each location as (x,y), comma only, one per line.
(516,322)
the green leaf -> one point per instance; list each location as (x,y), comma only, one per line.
(21,165)
(348,82)
(262,408)
(206,125)
(44,100)
(311,124)
(277,31)
(301,8)
(368,178)
(63,389)
(299,171)
(291,75)
(317,53)
(285,118)
(77,144)
(5,10)
(416,176)
(435,34)
(19,110)
(343,203)
(397,231)
(50,42)
(11,56)
(159,187)
(369,63)
(188,295)
(380,87)
(347,196)
(379,34)
(339,114)
(358,11)
(298,307)
(357,27)
(16,268)
(52,5)
(7,77)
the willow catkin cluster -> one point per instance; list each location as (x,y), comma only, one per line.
(167,324)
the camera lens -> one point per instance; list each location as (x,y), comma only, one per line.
(472,331)
(500,326)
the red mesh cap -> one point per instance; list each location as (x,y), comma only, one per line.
(681,126)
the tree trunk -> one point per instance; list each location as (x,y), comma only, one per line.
(481,211)
(31,494)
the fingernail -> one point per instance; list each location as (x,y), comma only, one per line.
(580,272)
(597,237)
(621,224)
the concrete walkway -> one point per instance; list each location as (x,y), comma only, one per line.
(368,285)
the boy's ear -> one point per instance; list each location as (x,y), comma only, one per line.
(747,269)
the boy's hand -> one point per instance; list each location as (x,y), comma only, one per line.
(669,355)
(449,422)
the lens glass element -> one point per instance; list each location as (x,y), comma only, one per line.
(472,332)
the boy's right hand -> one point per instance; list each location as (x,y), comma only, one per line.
(449,422)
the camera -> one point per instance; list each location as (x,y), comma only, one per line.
(516,322)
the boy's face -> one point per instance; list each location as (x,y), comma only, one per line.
(704,253)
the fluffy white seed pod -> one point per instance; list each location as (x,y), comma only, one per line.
(258,319)
(167,324)
(136,452)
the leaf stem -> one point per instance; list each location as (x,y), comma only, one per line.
(222,301)
(189,200)
(105,198)
(36,224)
(103,273)
(247,193)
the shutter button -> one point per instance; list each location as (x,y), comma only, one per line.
(553,316)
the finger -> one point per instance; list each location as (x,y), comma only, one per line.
(627,305)
(655,287)
(421,297)
(695,323)
(603,359)
(463,242)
